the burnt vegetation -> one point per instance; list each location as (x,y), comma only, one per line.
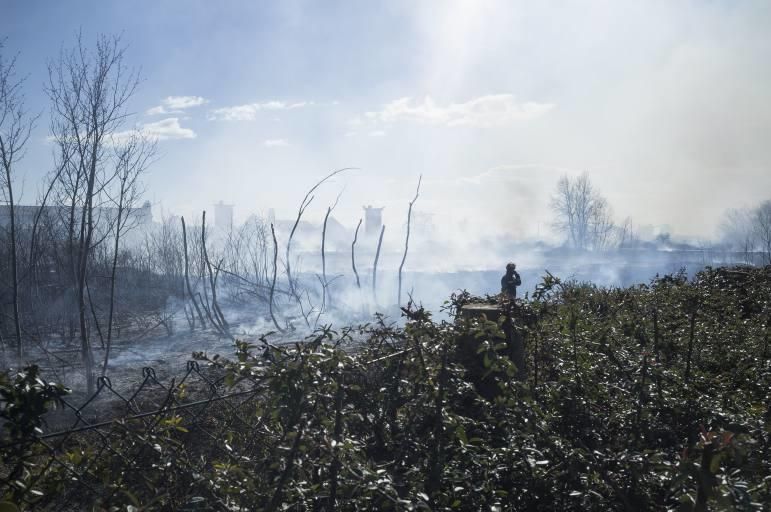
(576,397)
(643,398)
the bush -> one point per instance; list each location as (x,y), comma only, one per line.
(642,398)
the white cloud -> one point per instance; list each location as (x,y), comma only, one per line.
(377,133)
(273,143)
(176,104)
(249,111)
(165,129)
(484,111)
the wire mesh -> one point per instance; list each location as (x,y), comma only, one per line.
(111,425)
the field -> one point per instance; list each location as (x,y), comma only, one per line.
(651,397)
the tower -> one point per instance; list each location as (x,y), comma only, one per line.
(373,220)
(223,216)
(145,214)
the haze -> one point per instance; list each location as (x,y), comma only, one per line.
(664,104)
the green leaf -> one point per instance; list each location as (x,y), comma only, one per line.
(714,464)
(460,433)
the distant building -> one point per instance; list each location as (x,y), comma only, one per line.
(57,215)
(223,216)
(338,236)
(373,220)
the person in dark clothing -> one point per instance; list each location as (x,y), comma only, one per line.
(510,281)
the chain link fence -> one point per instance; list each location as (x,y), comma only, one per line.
(123,429)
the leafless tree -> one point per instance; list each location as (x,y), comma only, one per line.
(132,158)
(216,317)
(189,289)
(246,260)
(15,128)
(762,224)
(324,282)
(581,213)
(307,200)
(374,266)
(353,254)
(627,237)
(89,91)
(273,279)
(407,239)
(738,232)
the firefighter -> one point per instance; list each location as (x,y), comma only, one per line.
(510,281)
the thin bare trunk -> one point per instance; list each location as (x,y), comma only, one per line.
(93,314)
(14,277)
(222,324)
(84,251)
(273,281)
(300,211)
(323,264)
(323,300)
(353,254)
(374,266)
(324,282)
(112,286)
(187,276)
(407,239)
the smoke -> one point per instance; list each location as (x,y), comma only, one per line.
(662,103)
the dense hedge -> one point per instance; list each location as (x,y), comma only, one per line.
(644,398)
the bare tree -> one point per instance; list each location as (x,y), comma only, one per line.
(581,213)
(353,254)
(307,200)
(374,266)
(217,319)
(738,231)
(627,238)
(187,276)
(246,260)
(273,279)
(324,282)
(15,128)
(132,158)
(89,91)
(601,225)
(407,239)
(762,224)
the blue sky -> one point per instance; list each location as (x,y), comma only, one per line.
(665,104)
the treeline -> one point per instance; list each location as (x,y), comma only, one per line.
(87,264)
(58,254)
(749,230)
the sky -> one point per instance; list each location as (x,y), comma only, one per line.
(664,104)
